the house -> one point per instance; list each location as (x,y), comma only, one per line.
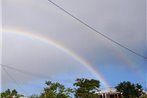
(110,93)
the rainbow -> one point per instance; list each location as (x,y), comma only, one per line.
(71,53)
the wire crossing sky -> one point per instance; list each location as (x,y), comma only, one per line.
(49,39)
(24,72)
(16,81)
(110,39)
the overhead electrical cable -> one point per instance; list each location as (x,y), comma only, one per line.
(10,76)
(93,29)
(24,72)
(28,73)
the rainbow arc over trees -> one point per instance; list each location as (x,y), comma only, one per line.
(69,52)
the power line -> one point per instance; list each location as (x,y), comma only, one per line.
(13,79)
(21,71)
(24,72)
(29,73)
(93,29)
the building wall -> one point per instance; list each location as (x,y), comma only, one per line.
(110,95)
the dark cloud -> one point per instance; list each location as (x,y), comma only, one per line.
(123,21)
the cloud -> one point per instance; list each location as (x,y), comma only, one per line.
(35,56)
(123,21)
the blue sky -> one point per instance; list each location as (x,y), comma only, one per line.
(123,20)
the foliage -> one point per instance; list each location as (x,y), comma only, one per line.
(86,88)
(34,96)
(10,93)
(144,96)
(129,90)
(56,90)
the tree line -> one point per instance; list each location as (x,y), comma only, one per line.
(84,88)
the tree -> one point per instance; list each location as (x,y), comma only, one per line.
(55,90)
(144,96)
(34,96)
(86,88)
(129,90)
(10,93)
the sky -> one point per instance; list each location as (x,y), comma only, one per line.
(40,42)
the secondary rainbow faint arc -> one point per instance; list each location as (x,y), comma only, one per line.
(56,44)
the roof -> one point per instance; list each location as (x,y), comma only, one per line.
(108,91)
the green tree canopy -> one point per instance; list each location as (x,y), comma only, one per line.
(55,90)
(144,96)
(86,88)
(10,93)
(129,90)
